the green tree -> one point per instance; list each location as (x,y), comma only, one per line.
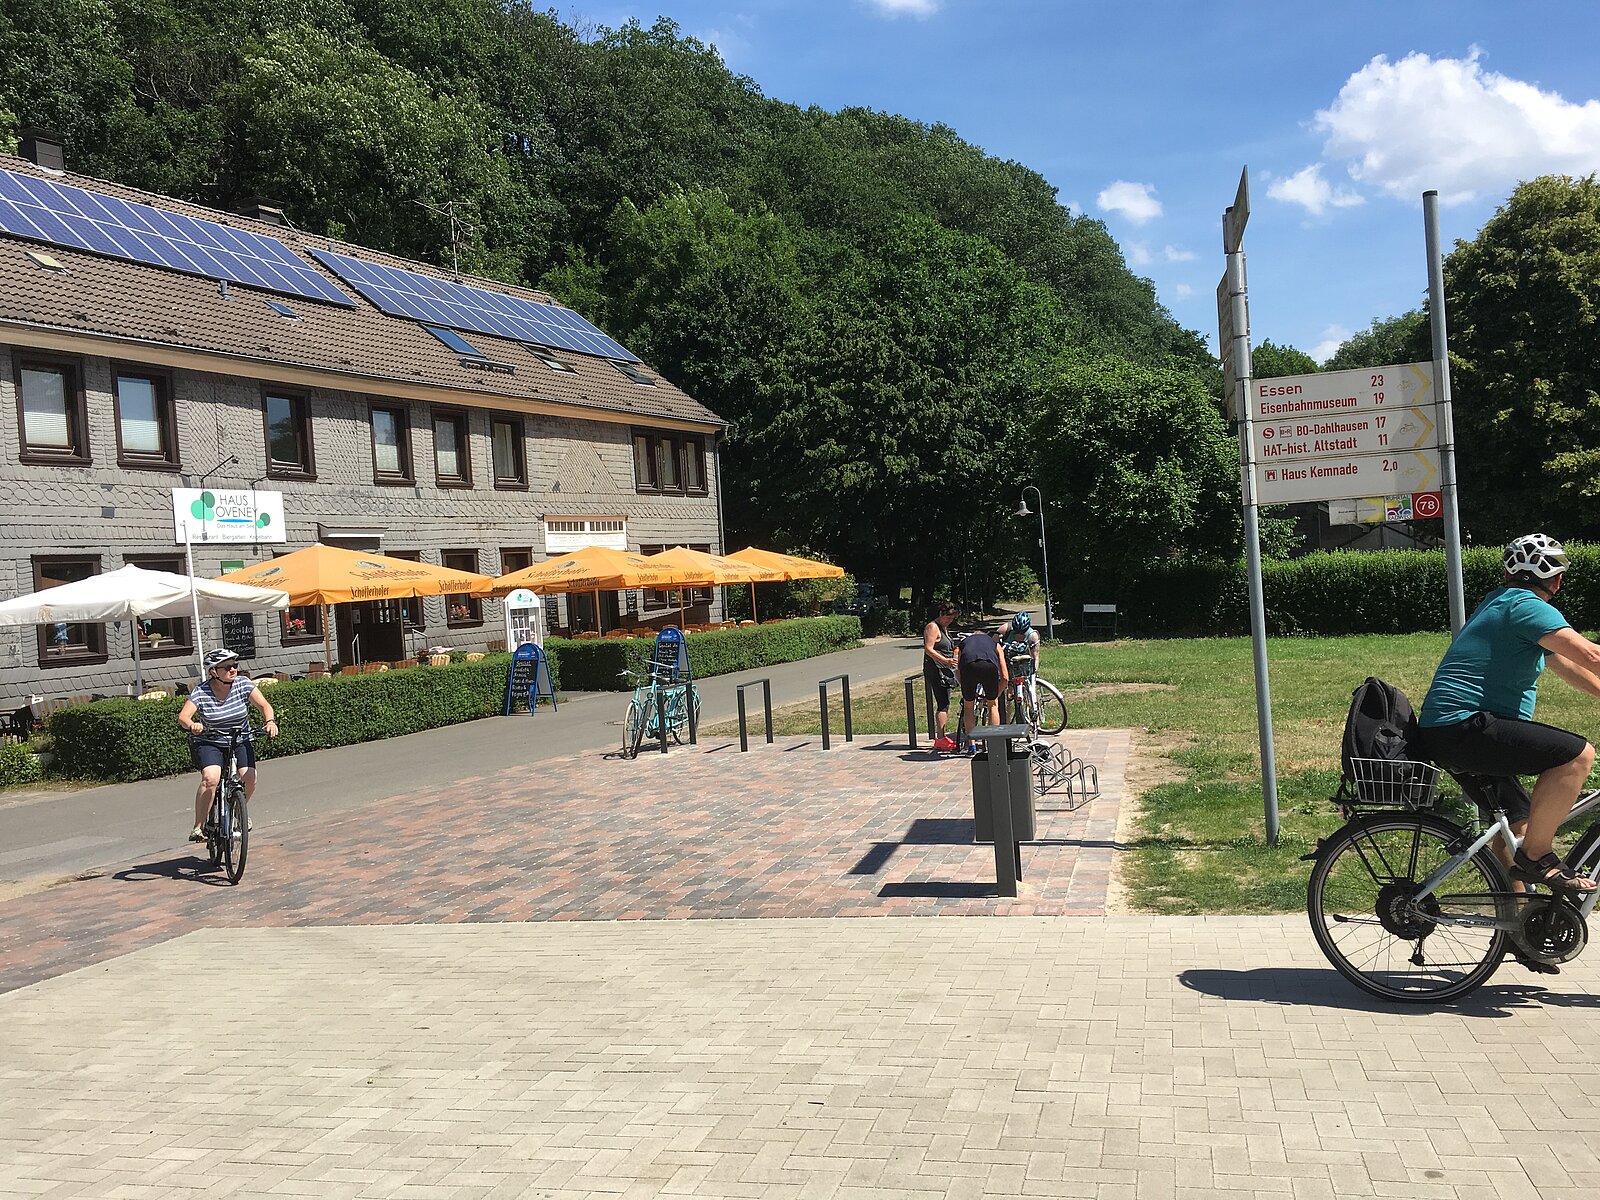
(1136,463)
(1270,361)
(1525,343)
(1386,341)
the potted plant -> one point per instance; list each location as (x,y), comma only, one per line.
(297,626)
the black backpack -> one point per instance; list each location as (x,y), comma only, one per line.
(1382,726)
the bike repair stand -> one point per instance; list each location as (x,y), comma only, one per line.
(528,666)
(669,664)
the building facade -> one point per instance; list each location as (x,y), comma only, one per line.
(136,396)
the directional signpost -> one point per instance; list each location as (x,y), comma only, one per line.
(1346,435)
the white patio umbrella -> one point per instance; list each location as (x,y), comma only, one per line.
(133,593)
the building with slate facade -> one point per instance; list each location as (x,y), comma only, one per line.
(138,393)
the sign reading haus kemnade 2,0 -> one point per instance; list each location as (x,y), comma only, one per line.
(1347,435)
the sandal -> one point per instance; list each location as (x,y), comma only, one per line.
(197,834)
(1550,872)
(1536,965)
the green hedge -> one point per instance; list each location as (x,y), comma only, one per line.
(1327,593)
(121,740)
(18,766)
(597,664)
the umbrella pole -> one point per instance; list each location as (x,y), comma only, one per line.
(680,607)
(754,619)
(597,628)
(138,664)
(194,600)
(327,654)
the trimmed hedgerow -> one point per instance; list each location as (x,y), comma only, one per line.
(598,664)
(124,740)
(18,766)
(1327,593)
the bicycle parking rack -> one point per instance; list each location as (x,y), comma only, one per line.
(1076,781)
(911,707)
(822,700)
(766,703)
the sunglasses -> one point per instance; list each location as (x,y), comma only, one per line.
(231,670)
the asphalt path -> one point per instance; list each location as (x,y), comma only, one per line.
(47,836)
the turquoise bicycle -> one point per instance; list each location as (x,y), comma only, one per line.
(658,709)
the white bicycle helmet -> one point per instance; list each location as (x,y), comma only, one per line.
(1535,558)
(219,657)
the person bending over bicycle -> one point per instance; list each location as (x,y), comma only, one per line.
(979,663)
(1020,641)
(214,709)
(1476,720)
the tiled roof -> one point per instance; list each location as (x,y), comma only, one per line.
(112,298)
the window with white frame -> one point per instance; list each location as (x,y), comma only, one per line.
(562,534)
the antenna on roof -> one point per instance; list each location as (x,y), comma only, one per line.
(458,228)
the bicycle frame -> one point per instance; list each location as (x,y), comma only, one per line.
(1501,827)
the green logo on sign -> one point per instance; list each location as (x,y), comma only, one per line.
(204,506)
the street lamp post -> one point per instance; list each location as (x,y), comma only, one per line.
(1044,550)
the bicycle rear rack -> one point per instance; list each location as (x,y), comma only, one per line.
(1075,781)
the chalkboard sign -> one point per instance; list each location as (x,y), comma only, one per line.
(524,669)
(527,663)
(239,634)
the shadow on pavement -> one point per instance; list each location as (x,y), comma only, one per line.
(188,869)
(1318,987)
(939,890)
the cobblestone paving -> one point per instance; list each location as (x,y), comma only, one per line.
(868,828)
(1105,1058)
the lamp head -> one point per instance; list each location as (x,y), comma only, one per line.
(1022,508)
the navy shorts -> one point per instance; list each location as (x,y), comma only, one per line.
(212,754)
(1486,753)
(982,672)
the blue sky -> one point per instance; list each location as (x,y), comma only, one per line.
(1142,115)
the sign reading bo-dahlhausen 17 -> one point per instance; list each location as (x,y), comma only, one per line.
(227,515)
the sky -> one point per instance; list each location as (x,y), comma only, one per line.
(1143,114)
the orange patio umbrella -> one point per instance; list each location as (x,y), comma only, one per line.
(716,568)
(792,566)
(597,569)
(325,575)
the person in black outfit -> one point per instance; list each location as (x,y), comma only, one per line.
(980,663)
(939,669)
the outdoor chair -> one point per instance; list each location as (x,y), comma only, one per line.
(475,656)
(265,680)
(316,670)
(497,646)
(588,635)
(163,694)
(617,633)
(438,660)
(404,663)
(350,670)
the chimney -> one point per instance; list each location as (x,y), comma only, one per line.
(42,148)
(270,211)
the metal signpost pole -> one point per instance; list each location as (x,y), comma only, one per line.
(1447,429)
(1238,355)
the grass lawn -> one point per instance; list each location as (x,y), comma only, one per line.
(1199,844)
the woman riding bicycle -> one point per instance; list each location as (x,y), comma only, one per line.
(1477,717)
(221,705)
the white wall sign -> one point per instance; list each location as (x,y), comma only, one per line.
(1347,477)
(227,515)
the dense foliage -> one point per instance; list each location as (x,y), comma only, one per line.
(1338,592)
(602,664)
(883,313)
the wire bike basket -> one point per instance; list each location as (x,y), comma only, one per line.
(1389,783)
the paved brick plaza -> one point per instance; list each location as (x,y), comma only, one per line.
(868,828)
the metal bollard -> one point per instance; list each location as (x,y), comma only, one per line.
(822,700)
(766,692)
(911,709)
(1007,852)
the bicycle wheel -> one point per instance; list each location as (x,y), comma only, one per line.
(632,729)
(235,831)
(1363,917)
(213,830)
(1052,708)
(648,725)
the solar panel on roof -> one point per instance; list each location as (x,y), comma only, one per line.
(402,293)
(42,210)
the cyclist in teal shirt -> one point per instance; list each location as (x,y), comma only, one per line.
(1477,718)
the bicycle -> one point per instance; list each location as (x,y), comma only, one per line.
(658,701)
(227,827)
(1035,701)
(1412,906)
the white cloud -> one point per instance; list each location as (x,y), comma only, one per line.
(905,8)
(1139,254)
(1333,337)
(1182,291)
(1309,189)
(1135,201)
(1177,254)
(1420,123)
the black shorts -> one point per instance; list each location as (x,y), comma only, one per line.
(976,674)
(1486,753)
(938,677)
(212,754)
